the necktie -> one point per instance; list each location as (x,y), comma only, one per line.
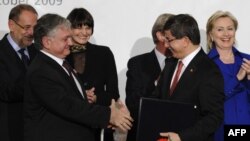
(71,72)
(24,57)
(176,77)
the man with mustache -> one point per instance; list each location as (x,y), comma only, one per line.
(16,52)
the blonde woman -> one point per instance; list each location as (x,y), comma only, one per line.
(234,65)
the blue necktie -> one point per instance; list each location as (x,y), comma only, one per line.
(24,57)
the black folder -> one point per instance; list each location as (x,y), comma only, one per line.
(157,116)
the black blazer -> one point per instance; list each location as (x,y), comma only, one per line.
(12,74)
(143,71)
(202,85)
(54,109)
(100,72)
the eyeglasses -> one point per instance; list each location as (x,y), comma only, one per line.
(26,28)
(170,40)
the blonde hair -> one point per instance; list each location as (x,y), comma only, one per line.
(210,24)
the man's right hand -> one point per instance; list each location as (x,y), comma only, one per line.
(119,118)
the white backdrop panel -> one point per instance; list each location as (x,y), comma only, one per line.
(125,25)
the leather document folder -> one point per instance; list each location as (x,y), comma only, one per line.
(156,115)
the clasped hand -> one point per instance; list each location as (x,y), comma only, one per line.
(120,116)
(244,70)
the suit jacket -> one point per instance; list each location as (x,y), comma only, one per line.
(237,93)
(12,75)
(202,85)
(143,71)
(100,72)
(54,109)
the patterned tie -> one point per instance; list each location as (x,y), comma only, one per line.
(176,77)
(24,57)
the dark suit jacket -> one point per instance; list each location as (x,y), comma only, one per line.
(143,71)
(12,72)
(100,72)
(202,85)
(54,109)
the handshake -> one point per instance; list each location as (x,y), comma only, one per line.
(120,116)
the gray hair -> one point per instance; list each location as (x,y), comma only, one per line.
(48,25)
(159,24)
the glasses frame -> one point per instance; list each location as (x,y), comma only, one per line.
(170,40)
(23,27)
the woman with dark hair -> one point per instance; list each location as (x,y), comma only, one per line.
(95,64)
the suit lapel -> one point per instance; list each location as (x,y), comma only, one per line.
(152,65)
(12,53)
(189,73)
(63,73)
(81,84)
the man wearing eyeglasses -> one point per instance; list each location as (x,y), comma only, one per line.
(190,77)
(16,52)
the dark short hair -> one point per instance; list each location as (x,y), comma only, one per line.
(183,25)
(47,25)
(80,17)
(17,10)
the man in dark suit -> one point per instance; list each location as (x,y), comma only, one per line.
(144,71)
(22,19)
(199,80)
(56,107)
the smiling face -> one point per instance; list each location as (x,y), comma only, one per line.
(81,35)
(176,46)
(223,33)
(22,29)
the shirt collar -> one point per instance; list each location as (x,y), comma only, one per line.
(13,43)
(16,46)
(58,60)
(189,58)
(213,53)
(160,57)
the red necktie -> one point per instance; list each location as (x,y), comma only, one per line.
(176,77)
